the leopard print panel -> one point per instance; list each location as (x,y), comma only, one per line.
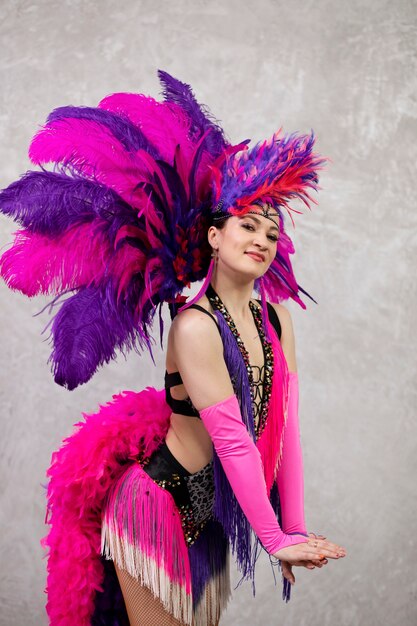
(201,490)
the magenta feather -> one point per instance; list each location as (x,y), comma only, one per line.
(80,477)
(165,125)
(93,152)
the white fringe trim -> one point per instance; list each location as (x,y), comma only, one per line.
(173,596)
(144,568)
(214,599)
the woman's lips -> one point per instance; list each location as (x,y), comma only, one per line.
(257,257)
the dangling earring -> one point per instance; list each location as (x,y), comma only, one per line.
(204,286)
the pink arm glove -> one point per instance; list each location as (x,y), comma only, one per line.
(242,464)
(290,478)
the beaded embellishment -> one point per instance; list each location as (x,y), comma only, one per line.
(193,496)
(194,513)
(268,367)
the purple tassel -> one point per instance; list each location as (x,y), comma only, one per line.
(208,556)
(226,508)
(276,505)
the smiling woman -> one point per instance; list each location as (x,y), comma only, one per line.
(148,495)
(260,243)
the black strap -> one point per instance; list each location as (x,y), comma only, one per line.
(273,318)
(172,379)
(183,407)
(200,308)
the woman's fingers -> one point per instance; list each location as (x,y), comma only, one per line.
(318,550)
(319,553)
(287,572)
(316,536)
(327,548)
(320,540)
(307,563)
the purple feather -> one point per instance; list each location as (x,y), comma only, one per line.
(129,135)
(286,163)
(50,202)
(201,120)
(87,330)
(109,605)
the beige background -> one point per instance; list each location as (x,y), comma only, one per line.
(348,70)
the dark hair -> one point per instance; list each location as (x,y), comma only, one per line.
(219,222)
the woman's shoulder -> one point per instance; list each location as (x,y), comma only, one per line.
(194,335)
(193,322)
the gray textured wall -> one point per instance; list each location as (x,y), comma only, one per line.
(349,71)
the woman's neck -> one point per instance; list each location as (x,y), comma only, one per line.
(234,296)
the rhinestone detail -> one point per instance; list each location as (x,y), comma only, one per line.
(191,527)
(268,368)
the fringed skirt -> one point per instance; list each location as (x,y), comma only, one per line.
(158,526)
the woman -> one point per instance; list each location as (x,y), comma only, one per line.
(145,192)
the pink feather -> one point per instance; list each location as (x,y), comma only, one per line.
(94,152)
(36,264)
(165,125)
(81,475)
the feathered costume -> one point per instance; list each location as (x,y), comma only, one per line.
(115,230)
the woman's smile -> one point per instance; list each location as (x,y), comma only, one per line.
(257,256)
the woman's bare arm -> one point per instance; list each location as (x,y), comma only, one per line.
(198,353)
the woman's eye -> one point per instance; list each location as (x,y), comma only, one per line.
(252,228)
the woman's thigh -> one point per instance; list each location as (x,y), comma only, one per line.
(142,607)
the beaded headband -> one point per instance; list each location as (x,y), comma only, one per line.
(218,214)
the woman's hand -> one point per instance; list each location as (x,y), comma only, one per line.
(312,563)
(287,568)
(310,554)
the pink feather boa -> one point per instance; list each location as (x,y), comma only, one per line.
(81,473)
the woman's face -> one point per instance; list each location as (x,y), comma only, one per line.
(247,244)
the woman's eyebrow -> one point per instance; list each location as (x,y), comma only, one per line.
(258,221)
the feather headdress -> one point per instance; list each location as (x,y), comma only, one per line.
(120,225)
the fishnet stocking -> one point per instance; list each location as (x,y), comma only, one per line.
(142,607)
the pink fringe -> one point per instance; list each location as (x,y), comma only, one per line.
(271,441)
(81,475)
(144,516)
